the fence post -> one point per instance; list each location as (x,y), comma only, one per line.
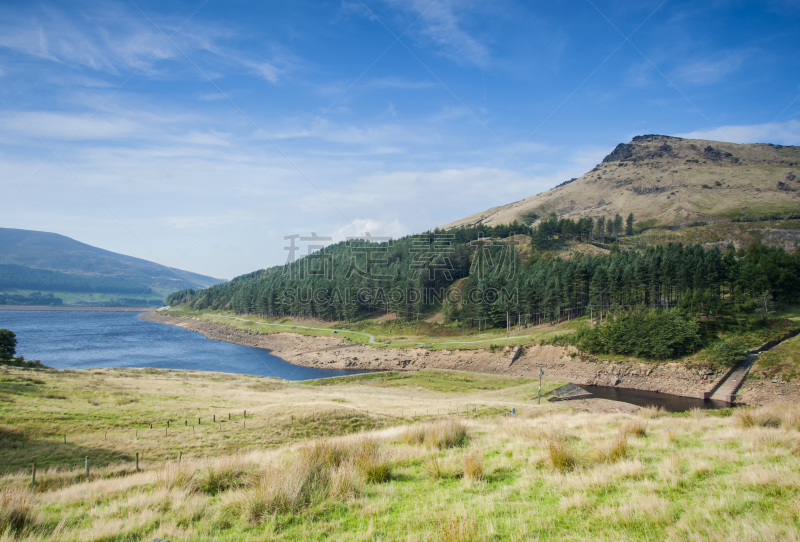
(65,439)
(87,466)
(215,418)
(33,477)
(180,456)
(137,461)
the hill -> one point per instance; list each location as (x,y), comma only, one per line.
(48,262)
(669,181)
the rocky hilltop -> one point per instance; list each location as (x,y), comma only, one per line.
(669,181)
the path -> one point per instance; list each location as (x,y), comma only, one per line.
(727,389)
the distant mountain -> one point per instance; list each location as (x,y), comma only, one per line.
(49,262)
(669,181)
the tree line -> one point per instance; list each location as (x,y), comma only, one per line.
(481,281)
(27,278)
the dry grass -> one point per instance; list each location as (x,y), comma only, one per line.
(443,434)
(759,417)
(473,466)
(436,469)
(635,427)
(224,474)
(613,450)
(560,454)
(175,475)
(459,529)
(16,510)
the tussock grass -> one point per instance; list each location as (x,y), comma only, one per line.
(443,434)
(614,449)
(16,510)
(635,427)
(560,454)
(472,466)
(760,417)
(224,474)
(437,469)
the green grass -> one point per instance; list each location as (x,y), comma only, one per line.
(434,380)
(550,474)
(782,362)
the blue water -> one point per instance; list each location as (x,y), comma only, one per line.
(88,339)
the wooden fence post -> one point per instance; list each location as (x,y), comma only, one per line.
(137,461)
(87,466)
(33,477)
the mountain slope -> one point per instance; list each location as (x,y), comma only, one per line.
(54,252)
(668,181)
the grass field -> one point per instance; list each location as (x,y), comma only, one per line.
(781,363)
(355,465)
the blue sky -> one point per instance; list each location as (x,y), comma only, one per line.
(199,134)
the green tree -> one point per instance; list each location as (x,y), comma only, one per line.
(8,344)
(629,225)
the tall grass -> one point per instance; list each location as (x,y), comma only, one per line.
(227,473)
(559,453)
(318,471)
(16,510)
(613,450)
(473,466)
(635,427)
(759,417)
(459,529)
(443,434)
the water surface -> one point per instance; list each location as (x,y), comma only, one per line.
(89,339)
(673,403)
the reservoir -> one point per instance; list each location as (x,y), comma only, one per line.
(94,339)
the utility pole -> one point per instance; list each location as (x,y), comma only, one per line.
(541,373)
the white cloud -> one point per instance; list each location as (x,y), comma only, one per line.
(782,133)
(709,71)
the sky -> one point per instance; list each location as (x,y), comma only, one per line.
(198,134)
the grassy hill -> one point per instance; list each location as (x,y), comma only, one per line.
(32,261)
(669,181)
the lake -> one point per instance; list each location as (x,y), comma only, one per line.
(93,339)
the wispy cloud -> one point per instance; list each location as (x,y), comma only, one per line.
(442,27)
(784,133)
(714,70)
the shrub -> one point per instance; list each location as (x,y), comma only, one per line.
(727,353)
(649,333)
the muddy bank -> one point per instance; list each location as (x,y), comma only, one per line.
(764,392)
(564,364)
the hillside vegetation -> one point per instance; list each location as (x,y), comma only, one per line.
(38,267)
(346,461)
(669,181)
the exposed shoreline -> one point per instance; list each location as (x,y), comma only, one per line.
(558,363)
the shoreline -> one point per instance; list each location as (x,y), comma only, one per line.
(562,364)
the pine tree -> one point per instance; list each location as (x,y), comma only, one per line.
(629,225)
